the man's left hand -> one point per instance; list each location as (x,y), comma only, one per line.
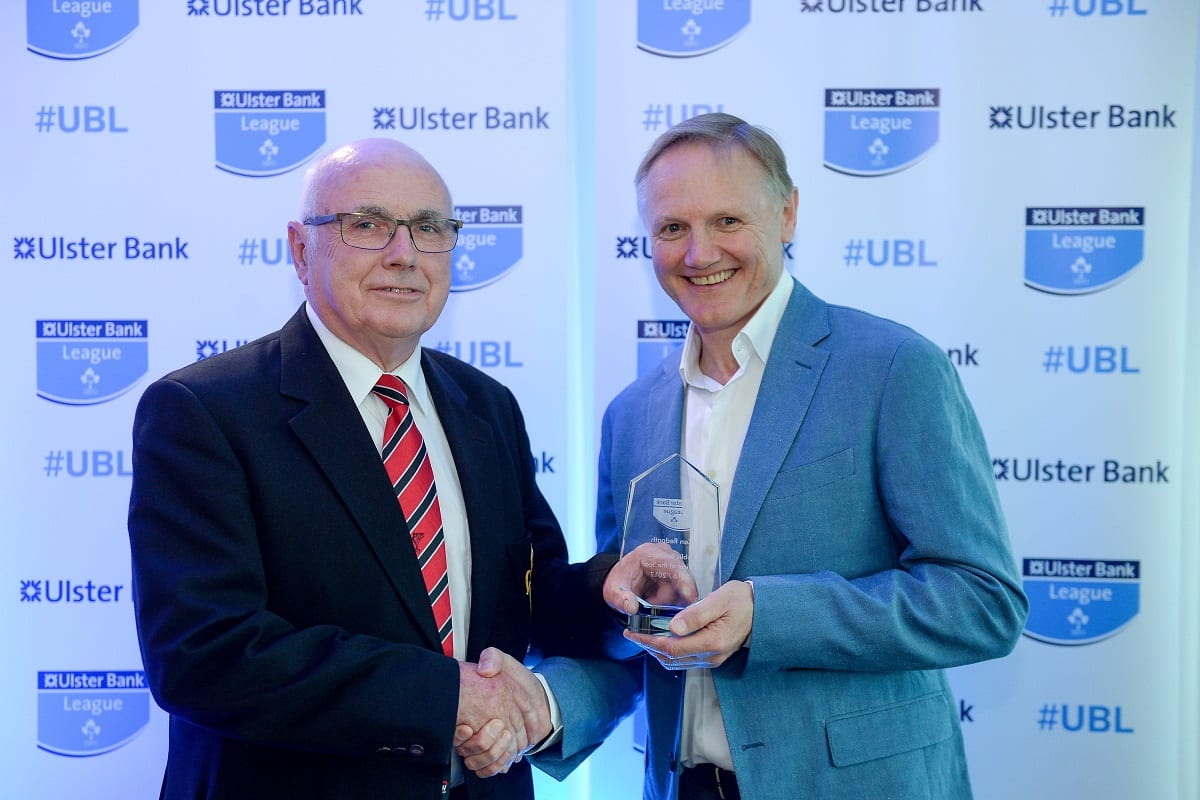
(706,633)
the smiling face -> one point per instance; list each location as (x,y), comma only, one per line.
(718,234)
(377,301)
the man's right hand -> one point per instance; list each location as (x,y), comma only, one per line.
(653,572)
(502,710)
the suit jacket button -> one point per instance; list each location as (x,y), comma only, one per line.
(384,749)
(416,750)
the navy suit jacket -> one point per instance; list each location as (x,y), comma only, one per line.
(281,613)
(865,513)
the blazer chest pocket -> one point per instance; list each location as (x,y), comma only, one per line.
(813,475)
(888,730)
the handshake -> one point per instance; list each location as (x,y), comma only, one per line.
(503,713)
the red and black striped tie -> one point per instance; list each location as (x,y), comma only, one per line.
(407,464)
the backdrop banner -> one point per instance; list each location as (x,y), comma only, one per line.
(1014,180)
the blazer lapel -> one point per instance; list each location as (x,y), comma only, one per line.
(330,427)
(789,381)
(663,416)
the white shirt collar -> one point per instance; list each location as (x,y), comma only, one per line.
(360,373)
(755,337)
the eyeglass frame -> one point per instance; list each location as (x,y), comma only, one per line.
(325,219)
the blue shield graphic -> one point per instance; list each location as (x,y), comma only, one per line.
(872,132)
(57,30)
(85,717)
(1088,601)
(672,513)
(85,362)
(651,354)
(489,245)
(264,133)
(693,29)
(657,339)
(1065,255)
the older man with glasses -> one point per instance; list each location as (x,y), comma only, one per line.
(333,530)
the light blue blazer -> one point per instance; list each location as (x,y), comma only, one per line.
(865,512)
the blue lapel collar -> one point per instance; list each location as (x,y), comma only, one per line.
(789,381)
(663,415)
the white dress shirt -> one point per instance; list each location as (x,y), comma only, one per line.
(715,422)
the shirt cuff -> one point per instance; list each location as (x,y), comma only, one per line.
(556,724)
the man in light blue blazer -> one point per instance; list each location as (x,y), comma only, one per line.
(862,546)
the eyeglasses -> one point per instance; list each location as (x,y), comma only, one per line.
(375,231)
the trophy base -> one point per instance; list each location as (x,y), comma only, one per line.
(652,620)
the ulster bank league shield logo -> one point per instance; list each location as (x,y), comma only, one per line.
(265,133)
(689,28)
(872,132)
(90,713)
(657,339)
(1077,250)
(672,513)
(82,362)
(1076,601)
(489,245)
(72,30)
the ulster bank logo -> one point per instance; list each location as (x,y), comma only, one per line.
(871,132)
(265,133)
(74,29)
(682,28)
(656,340)
(91,713)
(1076,601)
(489,245)
(1079,250)
(84,362)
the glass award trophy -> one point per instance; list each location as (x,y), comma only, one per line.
(666,502)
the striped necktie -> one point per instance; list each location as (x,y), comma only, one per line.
(407,464)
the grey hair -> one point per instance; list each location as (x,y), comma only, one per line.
(725,131)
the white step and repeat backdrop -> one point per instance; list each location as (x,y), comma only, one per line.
(1015,179)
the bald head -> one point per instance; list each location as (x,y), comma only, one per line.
(349,160)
